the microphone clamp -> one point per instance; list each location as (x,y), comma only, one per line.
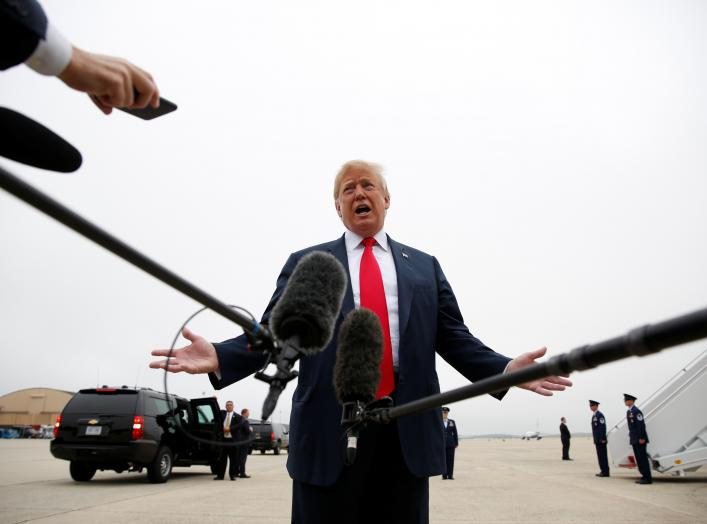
(356,414)
(283,355)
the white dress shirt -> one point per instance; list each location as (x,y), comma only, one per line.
(227,424)
(384,257)
(53,53)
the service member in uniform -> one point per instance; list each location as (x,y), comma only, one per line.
(599,434)
(451,441)
(638,438)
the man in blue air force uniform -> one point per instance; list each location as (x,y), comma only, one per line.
(451,441)
(599,435)
(638,437)
(389,481)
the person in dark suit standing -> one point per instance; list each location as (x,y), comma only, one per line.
(389,483)
(243,434)
(27,36)
(638,438)
(565,437)
(599,436)
(232,427)
(451,442)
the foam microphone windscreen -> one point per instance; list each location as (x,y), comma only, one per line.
(358,357)
(311,302)
(30,143)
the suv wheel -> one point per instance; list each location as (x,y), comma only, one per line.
(158,472)
(276,449)
(81,471)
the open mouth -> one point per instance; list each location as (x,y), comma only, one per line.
(362,209)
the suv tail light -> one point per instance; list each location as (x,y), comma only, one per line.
(272,436)
(138,428)
(57,425)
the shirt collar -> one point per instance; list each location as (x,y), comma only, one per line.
(353,240)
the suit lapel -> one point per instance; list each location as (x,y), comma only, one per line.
(339,251)
(404,270)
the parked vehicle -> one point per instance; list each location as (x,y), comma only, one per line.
(131,429)
(6,432)
(270,436)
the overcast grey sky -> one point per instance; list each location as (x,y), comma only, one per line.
(550,154)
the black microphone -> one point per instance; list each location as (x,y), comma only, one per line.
(303,320)
(357,370)
(30,143)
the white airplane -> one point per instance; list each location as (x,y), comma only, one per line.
(531,435)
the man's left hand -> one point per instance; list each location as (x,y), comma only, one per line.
(544,386)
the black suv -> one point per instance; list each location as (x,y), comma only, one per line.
(270,435)
(128,429)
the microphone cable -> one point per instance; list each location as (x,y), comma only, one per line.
(177,419)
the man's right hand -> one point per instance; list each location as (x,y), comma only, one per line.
(110,81)
(198,357)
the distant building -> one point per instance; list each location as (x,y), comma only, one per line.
(32,406)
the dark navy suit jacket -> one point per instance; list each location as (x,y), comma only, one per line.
(598,427)
(429,320)
(22,24)
(636,426)
(451,437)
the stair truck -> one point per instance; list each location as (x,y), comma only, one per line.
(676,421)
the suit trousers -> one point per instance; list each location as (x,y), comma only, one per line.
(449,456)
(242,457)
(565,449)
(378,487)
(229,454)
(639,451)
(602,458)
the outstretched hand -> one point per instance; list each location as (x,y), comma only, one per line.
(197,357)
(110,81)
(544,386)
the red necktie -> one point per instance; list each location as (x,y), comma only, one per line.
(373,298)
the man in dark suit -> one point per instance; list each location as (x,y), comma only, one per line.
(389,481)
(232,427)
(599,436)
(451,441)
(26,35)
(638,438)
(243,434)
(565,438)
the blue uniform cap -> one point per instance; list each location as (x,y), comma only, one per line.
(445,409)
(629,397)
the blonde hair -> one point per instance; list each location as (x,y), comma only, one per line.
(371,167)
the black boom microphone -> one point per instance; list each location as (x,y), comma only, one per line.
(29,142)
(303,320)
(357,370)
(639,342)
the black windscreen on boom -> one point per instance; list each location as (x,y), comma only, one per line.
(28,142)
(358,357)
(311,302)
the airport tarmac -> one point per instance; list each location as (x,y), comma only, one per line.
(496,481)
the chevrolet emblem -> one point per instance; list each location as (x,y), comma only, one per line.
(93,421)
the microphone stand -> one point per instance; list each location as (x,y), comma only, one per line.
(260,337)
(641,341)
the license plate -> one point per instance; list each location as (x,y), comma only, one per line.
(94,430)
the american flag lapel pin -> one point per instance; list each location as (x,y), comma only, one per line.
(405,255)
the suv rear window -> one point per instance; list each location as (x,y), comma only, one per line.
(117,403)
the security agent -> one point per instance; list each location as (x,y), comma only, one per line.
(638,438)
(451,441)
(599,434)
